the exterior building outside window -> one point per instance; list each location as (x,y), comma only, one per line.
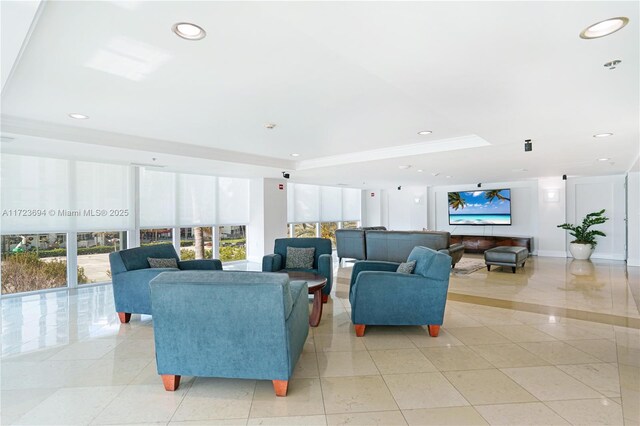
(156,236)
(350,224)
(93,253)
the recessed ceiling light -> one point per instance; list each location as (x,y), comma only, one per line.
(78,116)
(270,125)
(405,167)
(604,159)
(420,170)
(188,31)
(435,174)
(602,135)
(448,177)
(519,170)
(425,132)
(604,28)
(295,155)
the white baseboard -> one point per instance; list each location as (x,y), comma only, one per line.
(633,262)
(608,256)
(552,253)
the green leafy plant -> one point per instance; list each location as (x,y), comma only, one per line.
(582,233)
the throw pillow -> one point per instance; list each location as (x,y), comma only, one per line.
(300,258)
(407,267)
(162,263)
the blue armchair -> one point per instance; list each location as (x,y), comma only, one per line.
(381,296)
(130,274)
(234,324)
(322,262)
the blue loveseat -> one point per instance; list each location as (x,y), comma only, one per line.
(322,262)
(381,296)
(130,274)
(235,324)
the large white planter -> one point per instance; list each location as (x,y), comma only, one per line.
(580,251)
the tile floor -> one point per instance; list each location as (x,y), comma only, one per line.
(67,360)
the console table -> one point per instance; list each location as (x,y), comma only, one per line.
(480,243)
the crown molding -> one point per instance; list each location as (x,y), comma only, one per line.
(20,126)
(442,145)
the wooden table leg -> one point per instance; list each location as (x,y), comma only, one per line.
(316,311)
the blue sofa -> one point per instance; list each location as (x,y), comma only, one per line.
(130,274)
(381,296)
(234,324)
(322,262)
(351,244)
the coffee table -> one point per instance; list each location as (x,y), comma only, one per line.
(316,283)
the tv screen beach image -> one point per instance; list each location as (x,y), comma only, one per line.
(492,207)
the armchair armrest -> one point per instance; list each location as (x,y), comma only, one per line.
(200,264)
(371,265)
(455,251)
(325,268)
(271,263)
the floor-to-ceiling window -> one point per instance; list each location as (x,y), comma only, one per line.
(196,243)
(93,254)
(233,243)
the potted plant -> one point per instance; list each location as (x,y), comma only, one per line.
(585,238)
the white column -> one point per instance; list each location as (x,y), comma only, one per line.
(133,235)
(176,240)
(633,218)
(267,218)
(72,259)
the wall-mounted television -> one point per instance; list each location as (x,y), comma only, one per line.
(487,207)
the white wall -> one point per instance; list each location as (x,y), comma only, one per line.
(633,218)
(524,211)
(590,194)
(371,207)
(267,217)
(406,208)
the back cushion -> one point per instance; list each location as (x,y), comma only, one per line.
(136,258)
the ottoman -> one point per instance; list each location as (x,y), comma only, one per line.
(506,256)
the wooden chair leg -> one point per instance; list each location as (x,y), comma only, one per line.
(488,267)
(125,317)
(170,382)
(434,330)
(280,387)
(513,269)
(325,298)
(360,329)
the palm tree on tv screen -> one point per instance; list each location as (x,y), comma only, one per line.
(490,195)
(456,201)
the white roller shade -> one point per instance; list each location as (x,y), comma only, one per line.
(35,194)
(233,201)
(351,203)
(313,203)
(330,204)
(104,191)
(305,203)
(196,200)
(158,205)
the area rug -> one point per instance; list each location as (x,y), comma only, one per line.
(467,266)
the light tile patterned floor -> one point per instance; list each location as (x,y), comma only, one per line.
(67,360)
